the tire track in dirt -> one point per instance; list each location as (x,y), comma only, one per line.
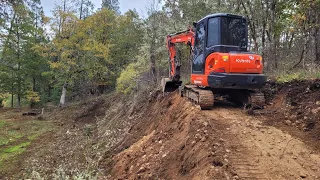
(263,152)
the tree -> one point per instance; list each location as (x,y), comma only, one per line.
(84,8)
(36,63)
(111,5)
(80,52)
(309,15)
(17,55)
(126,41)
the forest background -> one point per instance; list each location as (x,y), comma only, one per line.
(82,52)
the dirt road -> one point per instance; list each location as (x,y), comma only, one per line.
(264,152)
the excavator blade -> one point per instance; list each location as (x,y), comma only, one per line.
(170,86)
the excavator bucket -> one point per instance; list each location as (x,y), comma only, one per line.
(169,86)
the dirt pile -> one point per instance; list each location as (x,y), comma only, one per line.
(296,104)
(178,144)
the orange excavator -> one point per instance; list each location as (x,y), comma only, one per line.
(222,67)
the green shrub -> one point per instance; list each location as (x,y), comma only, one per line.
(128,78)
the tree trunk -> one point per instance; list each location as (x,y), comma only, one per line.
(264,25)
(34,84)
(33,103)
(12,100)
(302,56)
(152,50)
(81,9)
(274,49)
(19,90)
(252,25)
(63,95)
(12,91)
(316,47)
(19,101)
(19,68)
(153,64)
(49,93)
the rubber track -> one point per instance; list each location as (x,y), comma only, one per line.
(258,100)
(203,97)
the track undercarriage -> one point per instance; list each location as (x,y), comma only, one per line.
(205,97)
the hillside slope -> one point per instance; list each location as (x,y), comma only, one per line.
(156,137)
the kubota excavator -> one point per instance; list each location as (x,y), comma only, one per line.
(222,67)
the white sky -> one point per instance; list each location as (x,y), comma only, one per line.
(125,5)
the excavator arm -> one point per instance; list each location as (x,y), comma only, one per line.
(173,82)
(186,37)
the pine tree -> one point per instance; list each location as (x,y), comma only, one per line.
(84,8)
(20,65)
(111,5)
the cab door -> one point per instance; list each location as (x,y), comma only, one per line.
(198,51)
(199,58)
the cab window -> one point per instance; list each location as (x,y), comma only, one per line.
(198,61)
(213,32)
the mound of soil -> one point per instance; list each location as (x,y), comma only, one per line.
(295,104)
(177,143)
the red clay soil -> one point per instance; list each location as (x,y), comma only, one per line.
(178,144)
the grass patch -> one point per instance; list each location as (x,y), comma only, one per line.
(2,123)
(17,132)
(33,136)
(30,129)
(18,149)
(299,74)
(288,77)
(12,152)
(9,134)
(4,141)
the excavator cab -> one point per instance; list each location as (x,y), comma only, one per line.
(221,58)
(218,33)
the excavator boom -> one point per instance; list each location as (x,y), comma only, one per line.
(173,82)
